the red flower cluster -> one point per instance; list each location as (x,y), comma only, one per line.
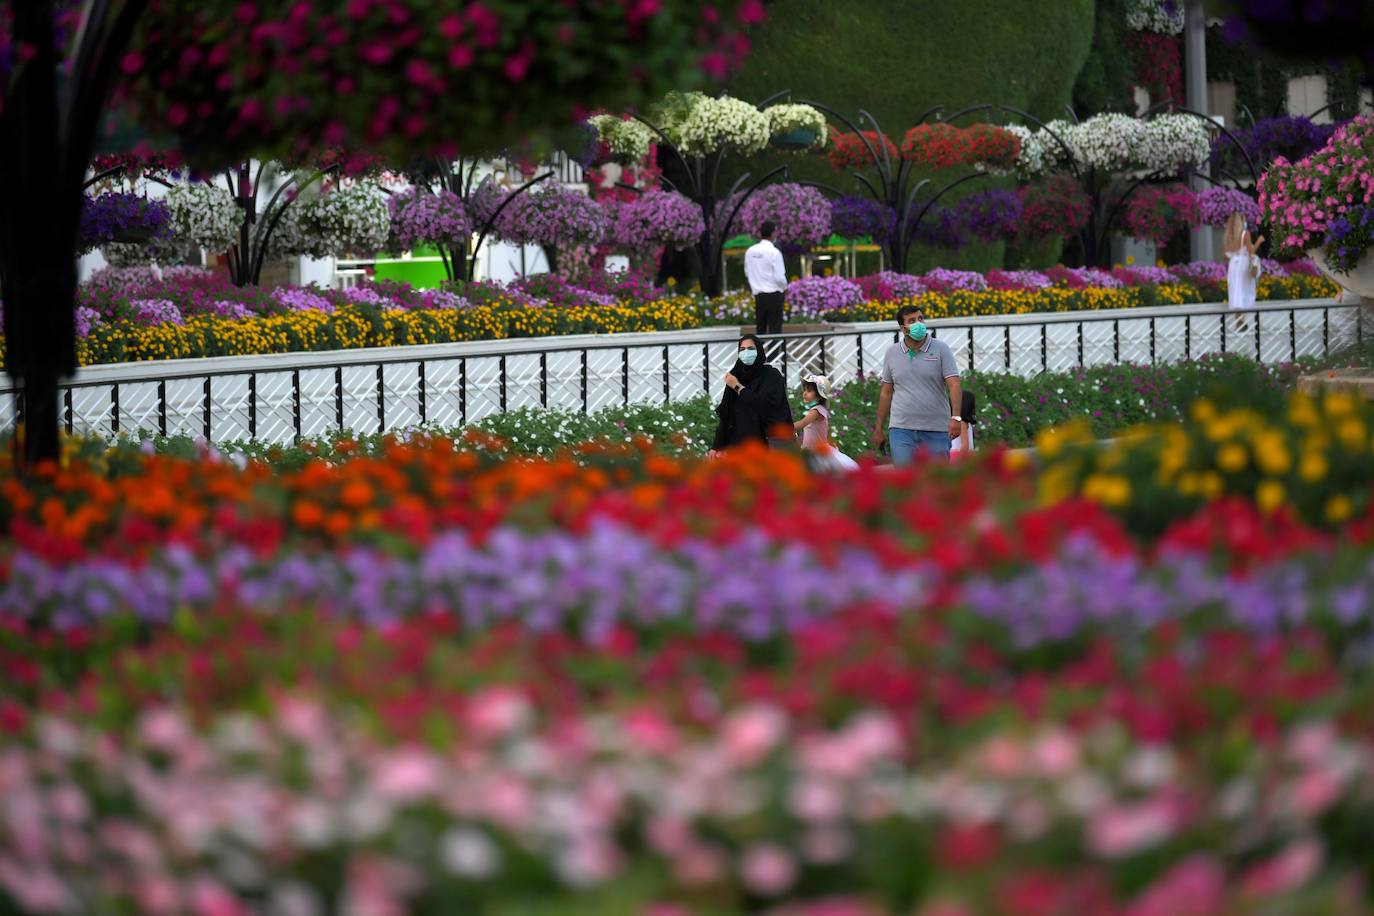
(848,151)
(1157,213)
(1053,208)
(1155,65)
(942,146)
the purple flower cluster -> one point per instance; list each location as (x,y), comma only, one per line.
(120,217)
(800,213)
(156,311)
(421,217)
(1144,275)
(1200,271)
(941,228)
(1291,136)
(195,291)
(653,219)
(943,280)
(554,216)
(990,216)
(591,580)
(1215,206)
(1085,587)
(552,289)
(1017,279)
(485,201)
(225,308)
(860,217)
(302,299)
(887,285)
(86,320)
(611,574)
(817,297)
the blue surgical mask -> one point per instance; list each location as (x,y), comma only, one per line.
(748,356)
(917,331)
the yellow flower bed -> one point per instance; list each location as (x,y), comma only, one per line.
(358,326)
(1316,458)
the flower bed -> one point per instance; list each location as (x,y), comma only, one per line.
(199,313)
(437,677)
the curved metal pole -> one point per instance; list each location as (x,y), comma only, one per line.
(1106,228)
(668,143)
(822,186)
(858,132)
(905,212)
(491,220)
(1327,107)
(1068,150)
(1249,163)
(963,111)
(946,189)
(101,176)
(719,244)
(265,233)
(868,184)
(784,93)
(933,110)
(1156,108)
(882,144)
(711,218)
(1248,113)
(1073,115)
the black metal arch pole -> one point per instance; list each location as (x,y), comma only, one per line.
(46,139)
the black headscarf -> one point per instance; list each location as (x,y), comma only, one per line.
(749,373)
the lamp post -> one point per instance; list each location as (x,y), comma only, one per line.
(1195,79)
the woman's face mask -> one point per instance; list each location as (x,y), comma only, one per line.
(917,331)
(748,356)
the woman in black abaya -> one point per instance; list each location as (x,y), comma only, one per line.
(754,401)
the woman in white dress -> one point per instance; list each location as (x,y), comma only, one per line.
(1242,267)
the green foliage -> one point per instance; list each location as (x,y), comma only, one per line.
(898,58)
(1104,83)
(1261,79)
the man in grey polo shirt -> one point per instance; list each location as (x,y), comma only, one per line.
(920,391)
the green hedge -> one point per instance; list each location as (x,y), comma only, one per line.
(898,58)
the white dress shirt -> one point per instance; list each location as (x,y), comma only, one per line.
(764,269)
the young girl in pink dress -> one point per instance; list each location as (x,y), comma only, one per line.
(815,423)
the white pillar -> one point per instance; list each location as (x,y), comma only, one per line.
(1195,79)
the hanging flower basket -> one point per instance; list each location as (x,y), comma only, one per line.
(136,234)
(797,138)
(1360,280)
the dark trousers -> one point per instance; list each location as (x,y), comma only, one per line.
(768,313)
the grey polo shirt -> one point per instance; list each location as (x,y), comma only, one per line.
(920,399)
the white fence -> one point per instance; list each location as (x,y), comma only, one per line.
(280,397)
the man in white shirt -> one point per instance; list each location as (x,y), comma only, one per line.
(767,278)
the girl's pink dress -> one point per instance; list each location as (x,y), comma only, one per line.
(818,434)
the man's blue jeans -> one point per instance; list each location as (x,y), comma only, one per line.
(904,443)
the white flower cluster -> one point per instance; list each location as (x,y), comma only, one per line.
(1162,16)
(1108,141)
(709,125)
(351,220)
(626,139)
(1031,160)
(783,118)
(204,215)
(1115,142)
(1173,142)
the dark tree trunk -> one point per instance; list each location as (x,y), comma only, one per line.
(37,236)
